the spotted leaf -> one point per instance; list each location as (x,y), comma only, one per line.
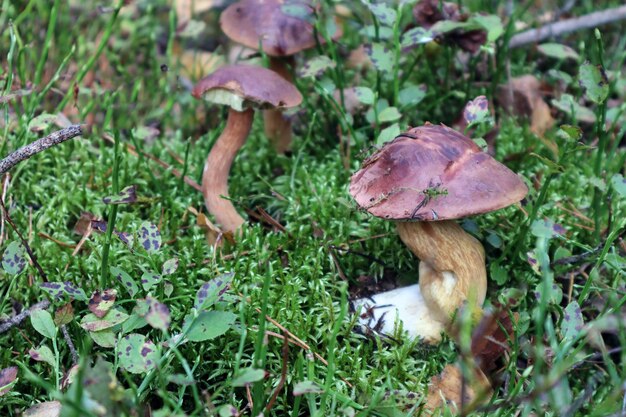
(101,302)
(158,315)
(126,196)
(365,95)
(546,228)
(126,280)
(43,354)
(381,56)
(316,66)
(58,289)
(384,14)
(307,387)
(7,378)
(14,258)
(476,111)
(149,279)
(64,315)
(416,36)
(170,266)
(210,292)
(136,354)
(573,322)
(149,237)
(208,325)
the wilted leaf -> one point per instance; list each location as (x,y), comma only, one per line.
(210,292)
(149,279)
(43,323)
(209,325)
(247,376)
(136,354)
(491,336)
(158,315)
(149,237)
(126,196)
(522,97)
(45,409)
(593,80)
(93,323)
(476,111)
(186,8)
(170,266)
(64,315)
(14,258)
(7,377)
(381,56)
(43,354)
(101,302)
(307,387)
(573,322)
(558,51)
(127,282)
(445,389)
(316,66)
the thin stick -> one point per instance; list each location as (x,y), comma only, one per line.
(17,319)
(70,344)
(562,27)
(39,145)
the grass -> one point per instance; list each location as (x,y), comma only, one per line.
(122,68)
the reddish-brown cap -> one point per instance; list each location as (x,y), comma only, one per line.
(279,25)
(256,86)
(433,173)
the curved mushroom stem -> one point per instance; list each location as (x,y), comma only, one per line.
(217,168)
(452,268)
(277,128)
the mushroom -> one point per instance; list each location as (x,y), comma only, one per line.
(268,24)
(424,179)
(242,88)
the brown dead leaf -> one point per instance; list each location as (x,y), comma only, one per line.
(359,59)
(45,409)
(185,9)
(522,97)
(7,376)
(213,233)
(491,339)
(101,302)
(194,63)
(444,390)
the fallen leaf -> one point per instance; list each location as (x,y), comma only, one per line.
(444,390)
(45,409)
(7,376)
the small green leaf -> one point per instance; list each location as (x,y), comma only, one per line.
(416,36)
(127,196)
(568,105)
(127,282)
(43,323)
(411,95)
(381,56)
(557,51)
(307,387)
(170,266)
(149,237)
(300,11)
(573,322)
(388,134)
(247,376)
(209,325)
(228,410)
(14,258)
(103,338)
(553,296)
(316,66)
(570,132)
(546,228)
(491,23)
(57,289)
(41,122)
(365,95)
(43,354)
(390,114)
(593,79)
(210,292)
(158,315)
(136,354)
(511,297)
(498,273)
(618,182)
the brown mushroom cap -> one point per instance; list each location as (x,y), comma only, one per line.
(433,173)
(256,86)
(250,22)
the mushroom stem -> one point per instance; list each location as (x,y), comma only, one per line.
(217,169)
(277,128)
(452,268)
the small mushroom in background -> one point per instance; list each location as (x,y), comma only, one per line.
(243,88)
(424,179)
(281,35)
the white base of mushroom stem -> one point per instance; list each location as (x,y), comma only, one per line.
(383,312)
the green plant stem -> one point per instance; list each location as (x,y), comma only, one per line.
(260,349)
(115,189)
(47,42)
